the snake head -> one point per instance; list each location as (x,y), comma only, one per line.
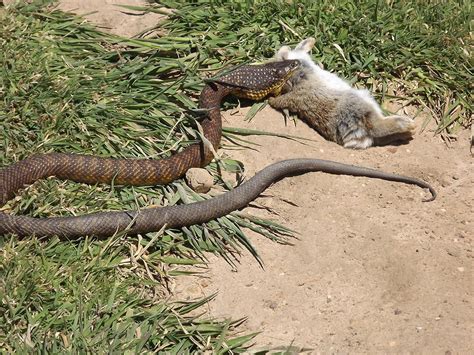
(282,70)
(257,81)
(272,77)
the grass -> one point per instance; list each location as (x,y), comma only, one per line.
(64,86)
(97,298)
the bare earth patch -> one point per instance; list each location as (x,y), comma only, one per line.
(106,15)
(374,268)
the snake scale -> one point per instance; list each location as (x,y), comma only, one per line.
(251,81)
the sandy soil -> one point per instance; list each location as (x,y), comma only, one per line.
(106,15)
(374,268)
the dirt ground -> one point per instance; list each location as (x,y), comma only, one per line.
(374,269)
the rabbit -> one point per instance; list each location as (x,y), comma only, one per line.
(342,114)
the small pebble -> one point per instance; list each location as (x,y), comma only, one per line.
(452,251)
(351,235)
(199,180)
(271,304)
(204,283)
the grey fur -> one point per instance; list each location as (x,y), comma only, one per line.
(342,114)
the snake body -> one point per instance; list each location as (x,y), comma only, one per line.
(254,82)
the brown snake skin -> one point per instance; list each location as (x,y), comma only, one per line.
(254,82)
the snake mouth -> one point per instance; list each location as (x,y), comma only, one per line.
(289,71)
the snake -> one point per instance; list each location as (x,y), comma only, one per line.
(253,82)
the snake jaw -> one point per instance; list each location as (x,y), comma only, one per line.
(277,91)
(288,70)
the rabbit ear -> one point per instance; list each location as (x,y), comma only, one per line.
(283,53)
(306,45)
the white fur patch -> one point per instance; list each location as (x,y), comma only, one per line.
(359,143)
